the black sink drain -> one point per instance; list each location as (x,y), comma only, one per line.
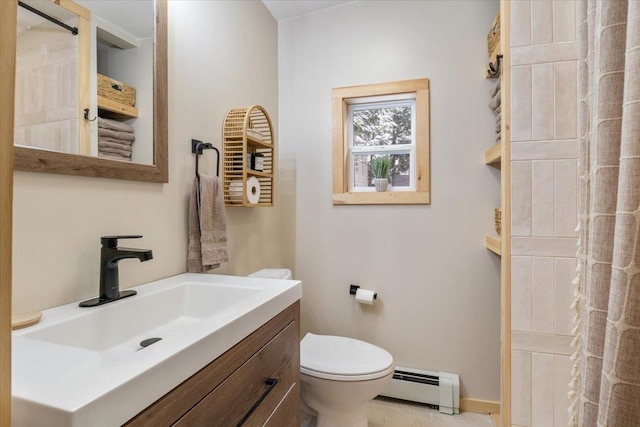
(149,341)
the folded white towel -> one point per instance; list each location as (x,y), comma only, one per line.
(256,134)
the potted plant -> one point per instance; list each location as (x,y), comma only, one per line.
(380,168)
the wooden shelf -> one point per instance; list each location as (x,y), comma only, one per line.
(238,145)
(259,174)
(494,244)
(117,110)
(493,155)
(258,143)
(19,321)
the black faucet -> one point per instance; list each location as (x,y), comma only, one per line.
(109,257)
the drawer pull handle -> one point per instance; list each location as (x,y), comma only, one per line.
(271,383)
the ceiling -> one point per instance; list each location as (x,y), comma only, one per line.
(137,21)
(287,9)
(134,21)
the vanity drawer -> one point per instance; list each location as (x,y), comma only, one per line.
(287,414)
(251,385)
(174,406)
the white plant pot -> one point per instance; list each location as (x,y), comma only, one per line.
(381,183)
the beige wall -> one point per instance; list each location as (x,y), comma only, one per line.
(544,153)
(439,300)
(221,55)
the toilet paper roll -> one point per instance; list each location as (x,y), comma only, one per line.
(252,189)
(235,191)
(365,296)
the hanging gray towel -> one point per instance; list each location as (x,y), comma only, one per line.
(495,88)
(495,101)
(207,226)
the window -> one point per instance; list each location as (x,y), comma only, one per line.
(384,120)
(381,129)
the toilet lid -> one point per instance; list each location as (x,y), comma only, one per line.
(272,273)
(329,356)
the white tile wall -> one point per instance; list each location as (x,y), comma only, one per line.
(564,21)
(521,294)
(521,388)
(544,53)
(542,198)
(521,200)
(521,103)
(541,21)
(545,150)
(542,102)
(565,197)
(543,246)
(542,284)
(541,343)
(566,100)
(562,378)
(544,153)
(520,23)
(542,385)
(565,272)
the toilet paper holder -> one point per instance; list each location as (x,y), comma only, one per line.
(354,288)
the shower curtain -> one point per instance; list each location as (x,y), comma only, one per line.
(606,385)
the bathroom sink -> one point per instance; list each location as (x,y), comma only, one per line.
(103,365)
(122,326)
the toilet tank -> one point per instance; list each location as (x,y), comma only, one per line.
(272,273)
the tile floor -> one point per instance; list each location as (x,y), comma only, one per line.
(384,412)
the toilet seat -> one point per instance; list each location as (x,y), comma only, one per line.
(343,359)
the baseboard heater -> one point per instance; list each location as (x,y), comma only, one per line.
(440,389)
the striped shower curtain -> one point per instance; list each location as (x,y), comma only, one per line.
(606,385)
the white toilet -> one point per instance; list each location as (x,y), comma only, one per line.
(339,375)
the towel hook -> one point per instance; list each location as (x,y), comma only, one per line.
(197,147)
(86,116)
(494,70)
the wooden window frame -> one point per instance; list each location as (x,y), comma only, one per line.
(341,98)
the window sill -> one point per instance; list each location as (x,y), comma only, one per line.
(382,198)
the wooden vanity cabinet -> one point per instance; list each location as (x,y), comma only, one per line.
(240,382)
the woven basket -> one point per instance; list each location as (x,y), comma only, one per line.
(493,38)
(498,219)
(116,91)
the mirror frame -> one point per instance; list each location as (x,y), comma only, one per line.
(8,20)
(36,160)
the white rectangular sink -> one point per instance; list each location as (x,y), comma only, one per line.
(86,366)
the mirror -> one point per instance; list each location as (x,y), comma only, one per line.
(83,156)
